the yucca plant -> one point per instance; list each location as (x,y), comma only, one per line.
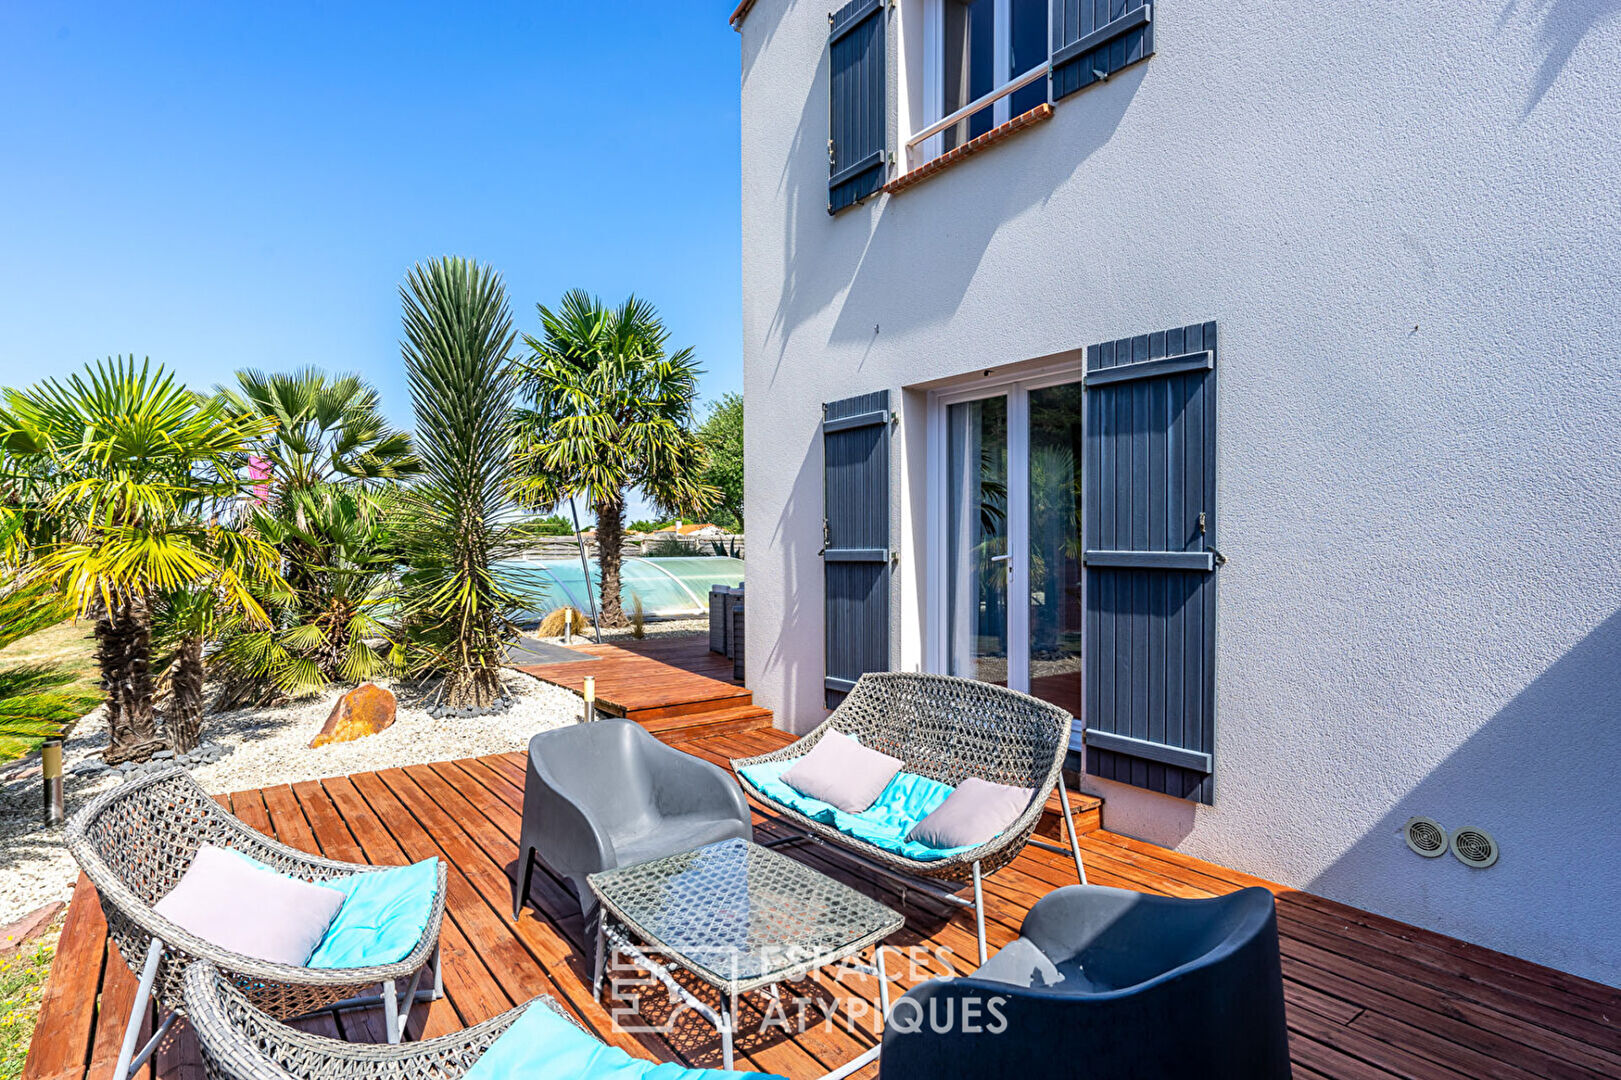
(139,466)
(610,408)
(33,702)
(457,605)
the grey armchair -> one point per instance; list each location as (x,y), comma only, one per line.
(1108,984)
(608,794)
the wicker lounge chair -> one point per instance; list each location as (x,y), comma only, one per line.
(135,842)
(947,729)
(239,1042)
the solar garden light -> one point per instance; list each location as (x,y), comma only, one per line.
(589,692)
(51,765)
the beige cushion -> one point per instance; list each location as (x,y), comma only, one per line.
(975,812)
(228,902)
(842,773)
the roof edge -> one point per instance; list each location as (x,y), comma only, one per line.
(740,13)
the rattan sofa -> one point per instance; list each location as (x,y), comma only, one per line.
(946,729)
(134,843)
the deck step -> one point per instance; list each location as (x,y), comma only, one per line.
(1086,809)
(687,730)
(699,699)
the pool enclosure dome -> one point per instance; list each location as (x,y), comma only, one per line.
(667,588)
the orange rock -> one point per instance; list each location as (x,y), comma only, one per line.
(365,710)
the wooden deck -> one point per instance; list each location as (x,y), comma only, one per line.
(675,687)
(1368,998)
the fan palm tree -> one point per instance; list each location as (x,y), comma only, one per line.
(338,549)
(139,465)
(610,409)
(456,603)
(322,478)
(33,703)
(326,429)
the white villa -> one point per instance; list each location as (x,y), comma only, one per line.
(1244,377)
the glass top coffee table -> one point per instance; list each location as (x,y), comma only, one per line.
(740,917)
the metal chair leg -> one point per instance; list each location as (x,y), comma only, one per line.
(520,887)
(143,997)
(979,913)
(391,1010)
(1069,827)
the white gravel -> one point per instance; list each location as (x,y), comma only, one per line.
(269,746)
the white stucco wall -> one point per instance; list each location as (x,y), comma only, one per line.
(1406,220)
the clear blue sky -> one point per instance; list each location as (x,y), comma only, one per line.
(218,185)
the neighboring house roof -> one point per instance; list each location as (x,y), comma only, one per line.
(740,13)
(687,530)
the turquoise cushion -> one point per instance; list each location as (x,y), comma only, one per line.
(383,915)
(907,800)
(382,918)
(541,1043)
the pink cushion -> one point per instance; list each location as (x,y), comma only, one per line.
(842,773)
(228,902)
(975,812)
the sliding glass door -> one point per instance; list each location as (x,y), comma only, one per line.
(977,540)
(1053,548)
(1008,565)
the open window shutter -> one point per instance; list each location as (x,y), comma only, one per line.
(856,115)
(1150,531)
(1093,39)
(855,539)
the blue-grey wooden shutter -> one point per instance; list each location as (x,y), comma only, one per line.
(856,117)
(855,539)
(1149,537)
(1093,39)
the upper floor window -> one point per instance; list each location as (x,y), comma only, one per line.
(985,62)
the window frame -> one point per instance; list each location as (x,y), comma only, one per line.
(929,143)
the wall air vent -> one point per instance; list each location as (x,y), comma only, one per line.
(1426,837)
(1474,847)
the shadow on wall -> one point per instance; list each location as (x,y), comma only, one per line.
(904,262)
(801,697)
(1561,25)
(1541,777)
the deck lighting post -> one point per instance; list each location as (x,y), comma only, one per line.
(50,756)
(589,692)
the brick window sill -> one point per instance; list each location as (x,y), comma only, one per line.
(997,134)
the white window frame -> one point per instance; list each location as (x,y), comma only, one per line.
(1016,388)
(929,143)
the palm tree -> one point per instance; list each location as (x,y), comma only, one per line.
(457,604)
(326,430)
(340,569)
(329,437)
(609,410)
(33,705)
(139,465)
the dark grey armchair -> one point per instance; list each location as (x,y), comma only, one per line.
(608,794)
(1108,984)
